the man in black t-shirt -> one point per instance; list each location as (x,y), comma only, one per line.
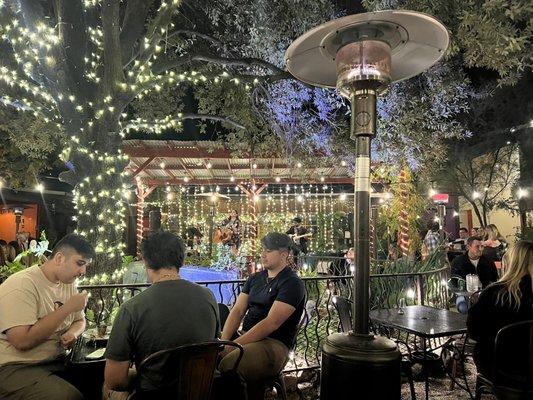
(270,306)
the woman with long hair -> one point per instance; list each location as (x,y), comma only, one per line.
(495,244)
(505,302)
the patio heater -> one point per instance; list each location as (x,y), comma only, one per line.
(361,55)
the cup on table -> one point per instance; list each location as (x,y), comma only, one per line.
(472,283)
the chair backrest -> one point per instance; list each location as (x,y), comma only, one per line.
(513,356)
(184,372)
(343,307)
(223,312)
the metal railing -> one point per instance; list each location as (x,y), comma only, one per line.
(319,319)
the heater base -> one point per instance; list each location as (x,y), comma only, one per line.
(360,367)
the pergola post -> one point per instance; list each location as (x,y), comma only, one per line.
(141,193)
(252,196)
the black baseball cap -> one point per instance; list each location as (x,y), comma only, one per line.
(297,219)
(276,241)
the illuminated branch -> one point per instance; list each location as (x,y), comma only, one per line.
(113,72)
(74,42)
(149,45)
(173,122)
(133,27)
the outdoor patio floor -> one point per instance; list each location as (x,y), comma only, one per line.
(439,387)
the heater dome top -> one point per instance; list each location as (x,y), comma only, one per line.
(417,41)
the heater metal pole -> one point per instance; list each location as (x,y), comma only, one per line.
(363,127)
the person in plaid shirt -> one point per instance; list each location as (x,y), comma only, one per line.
(432,239)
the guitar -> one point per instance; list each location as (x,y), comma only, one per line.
(296,237)
(222,235)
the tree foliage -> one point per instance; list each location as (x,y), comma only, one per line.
(491,34)
(485,181)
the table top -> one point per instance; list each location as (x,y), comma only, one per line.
(423,321)
(82,348)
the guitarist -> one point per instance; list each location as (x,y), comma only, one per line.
(296,231)
(233,224)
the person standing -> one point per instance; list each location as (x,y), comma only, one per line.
(299,234)
(433,239)
(41,315)
(270,307)
(495,244)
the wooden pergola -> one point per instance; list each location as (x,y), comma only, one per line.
(172,162)
(155,163)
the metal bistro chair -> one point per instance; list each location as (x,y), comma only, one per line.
(512,368)
(184,373)
(343,307)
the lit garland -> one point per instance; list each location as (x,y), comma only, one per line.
(101,196)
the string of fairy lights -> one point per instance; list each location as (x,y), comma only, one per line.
(101,198)
(320,207)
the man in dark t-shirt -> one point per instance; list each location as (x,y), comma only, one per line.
(270,308)
(474,262)
(170,313)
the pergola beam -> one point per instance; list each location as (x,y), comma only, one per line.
(175,152)
(142,167)
(225,181)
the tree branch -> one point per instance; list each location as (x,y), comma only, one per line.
(113,73)
(224,120)
(204,36)
(133,27)
(247,62)
(72,27)
(168,122)
(156,27)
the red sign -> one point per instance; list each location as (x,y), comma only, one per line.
(440,198)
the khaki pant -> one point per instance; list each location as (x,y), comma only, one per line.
(261,360)
(36,381)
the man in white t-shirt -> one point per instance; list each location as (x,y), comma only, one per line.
(41,315)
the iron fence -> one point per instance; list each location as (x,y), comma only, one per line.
(319,318)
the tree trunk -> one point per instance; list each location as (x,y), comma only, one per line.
(98,194)
(477,212)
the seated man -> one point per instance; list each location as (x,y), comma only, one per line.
(474,262)
(271,303)
(41,314)
(170,313)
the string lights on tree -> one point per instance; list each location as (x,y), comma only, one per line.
(83,74)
